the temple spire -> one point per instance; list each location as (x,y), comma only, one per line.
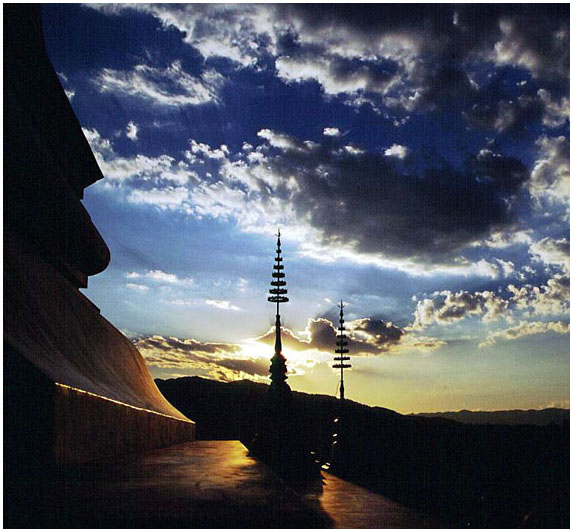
(278,292)
(341,350)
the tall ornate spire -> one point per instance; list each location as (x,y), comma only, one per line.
(278,292)
(341,350)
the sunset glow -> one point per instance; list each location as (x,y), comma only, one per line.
(420,176)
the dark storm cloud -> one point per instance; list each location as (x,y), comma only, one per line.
(495,108)
(443,42)
(380,332)
(362,199)
(414,56)
(506,173)
(535,35)
(365,336)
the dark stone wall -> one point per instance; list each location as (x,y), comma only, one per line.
(88,427)
(28,411)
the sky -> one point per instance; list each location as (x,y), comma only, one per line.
(415,158)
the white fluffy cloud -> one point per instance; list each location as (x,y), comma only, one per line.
(546,300)
(335,74)
(160,277)
(331,132)
(159,172)
(445,307)
(550,175)
(221,304)
(556,112)
(448,307)
(170,86)
(396,150)
(553,252)
(526,329)
(131,131)
(137,287)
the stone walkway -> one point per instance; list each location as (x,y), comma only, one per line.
(350,506)
(202,484)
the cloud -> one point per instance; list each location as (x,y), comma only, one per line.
(163,198)
(237,32)
(396,150)
(447,307)
(404,56)
(515,114)
(160,277)
(552,298)
(139,172)
(131,131)
(299,184)
(553,252)
(506,266)
(70,92)
(331,132)
(220,361)
(186,345)
(170,86)
(505,239)
(526,329)
(507,173)
(339,75)
(366,336)
(550,175)
(535,40)
(380,210)
(545,300)
(221,304)
(137,287)
(283,142)
(556,113)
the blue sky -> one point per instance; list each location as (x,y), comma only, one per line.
(415,157)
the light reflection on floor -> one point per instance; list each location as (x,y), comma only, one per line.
(203,484)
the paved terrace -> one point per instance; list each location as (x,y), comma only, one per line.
(202,484)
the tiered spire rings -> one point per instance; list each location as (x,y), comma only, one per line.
(278,295)
(341,350)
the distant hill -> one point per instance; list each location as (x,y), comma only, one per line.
(504,417)
(476,475)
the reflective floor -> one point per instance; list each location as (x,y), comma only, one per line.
(351,506)
(204,484)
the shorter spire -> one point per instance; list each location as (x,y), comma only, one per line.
(341,350)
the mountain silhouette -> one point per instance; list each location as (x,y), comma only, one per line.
(545,416)
(462,474)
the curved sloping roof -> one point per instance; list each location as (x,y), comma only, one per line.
(63,334)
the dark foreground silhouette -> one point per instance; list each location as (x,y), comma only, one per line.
(464,475)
